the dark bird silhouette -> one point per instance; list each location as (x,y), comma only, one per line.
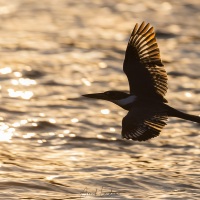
(148,111)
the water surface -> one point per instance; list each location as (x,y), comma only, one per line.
(55,148)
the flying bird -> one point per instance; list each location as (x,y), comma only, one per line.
(147,108)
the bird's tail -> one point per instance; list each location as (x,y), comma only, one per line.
(175,113)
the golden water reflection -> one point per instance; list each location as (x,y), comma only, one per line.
(188,94)
(105,111)
(102,65)
(72,135)
(51,133)
(41,141)
(5,137)
(66,131)
(52,120)
(21,122)
(23,81)
(49,178)
(6,132)
(112,129)
(100,136)
(86,82)
(28,135)
(17,74)
(5,70)
(61,135)
(18,93)
(74,120)
(52,148)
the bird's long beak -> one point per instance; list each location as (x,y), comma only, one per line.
(96,96)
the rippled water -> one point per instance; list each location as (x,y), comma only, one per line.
(56,148)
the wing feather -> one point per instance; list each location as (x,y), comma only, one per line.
(143,122)
(143,65)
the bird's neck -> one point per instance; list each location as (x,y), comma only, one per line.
(126,102)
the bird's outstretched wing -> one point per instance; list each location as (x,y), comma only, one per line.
(144,122)
(143,66)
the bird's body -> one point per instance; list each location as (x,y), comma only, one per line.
(148,111)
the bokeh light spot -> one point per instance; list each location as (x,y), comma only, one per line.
(105,111)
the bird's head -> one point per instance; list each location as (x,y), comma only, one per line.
(108,95)
(120,98)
